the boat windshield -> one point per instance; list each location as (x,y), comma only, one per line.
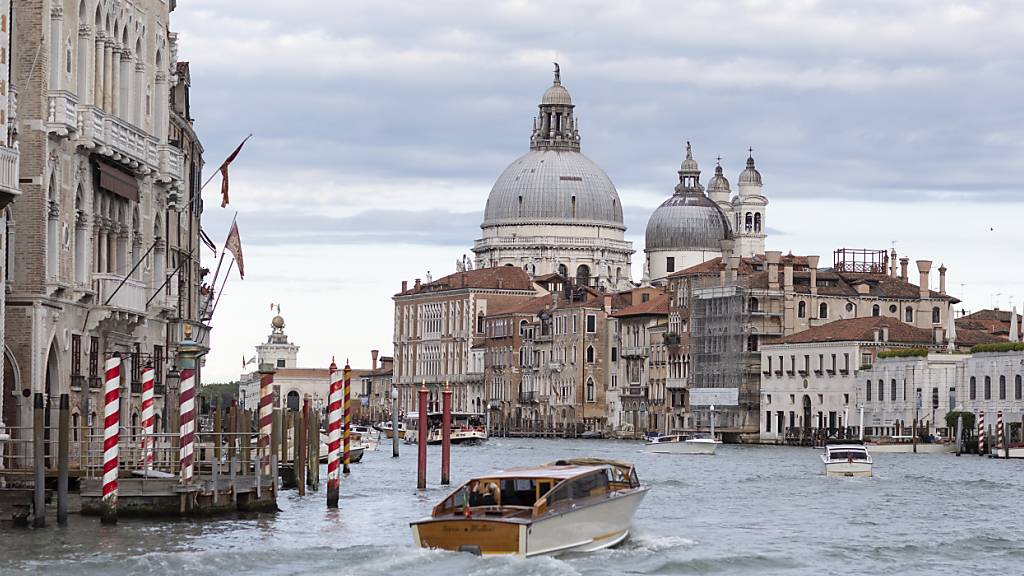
(847,454)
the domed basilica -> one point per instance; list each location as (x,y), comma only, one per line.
(553,210)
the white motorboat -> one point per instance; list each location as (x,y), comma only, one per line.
(466,428)
(848,459)
(682,444)
(577,505)
(385,427)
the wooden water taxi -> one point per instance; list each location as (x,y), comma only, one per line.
(847,459)
(569,505)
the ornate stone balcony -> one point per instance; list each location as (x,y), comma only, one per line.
(8,174)
(130,145)
(131,297)
(62,113)
(552,241)
(675,383)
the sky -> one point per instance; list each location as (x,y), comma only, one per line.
(380,127)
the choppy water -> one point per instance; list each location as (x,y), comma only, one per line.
(746,510)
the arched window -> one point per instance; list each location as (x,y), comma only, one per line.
(590,354)
(908,314)
(988,387)
(973,389)
(293,400)
(875,311)
(936,316)
(1017,388)
(823,310)
(583,275)
(563,271)
(81,237)
(881,390)
(867,391)
(801,309)
(1002,387)
(749,222)
(590,390)
(753,304)
(892,391)
(752,343)
(757,222)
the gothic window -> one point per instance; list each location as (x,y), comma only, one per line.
(823,310)
(908,314)
(67,57)
(757,222)
(590,390)
(590,354)
(875,310)
(801,309)
(935,315)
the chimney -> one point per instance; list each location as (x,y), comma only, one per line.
(734,264)
(787,276)
(904,263)
(405,285)
(726,248)
(373,359)
(940,335)
(416,283)
(773,258)
(885,333)
(812,265)
(942,279)
(892,264)
(923,267)
(607,303)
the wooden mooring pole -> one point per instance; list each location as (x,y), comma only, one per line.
(38,462)
(446,434)
(299,465)
(421,440)
(63,448)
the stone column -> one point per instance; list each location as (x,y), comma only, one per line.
(115,79)
(84,44)
(108,78)
(97,96)
(56,47)
(127,79)
(140,94)
(160,97)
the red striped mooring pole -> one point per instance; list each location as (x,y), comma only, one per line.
(981,433)
(348,416)
(147,418)
(421,439)
(111,437)
(187,419)
(266,420)
(333,436)
(999,434)
(446,434)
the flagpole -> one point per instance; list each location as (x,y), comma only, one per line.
(221,291)
(214,175)
(216,272)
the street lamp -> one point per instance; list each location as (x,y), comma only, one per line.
(170,412)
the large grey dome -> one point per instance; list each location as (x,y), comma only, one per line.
(687,222)
(553,187)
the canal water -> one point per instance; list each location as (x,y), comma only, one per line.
(746,510)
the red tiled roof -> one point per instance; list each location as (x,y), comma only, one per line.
(656,306)
(972,337)
(861,330)
(500,278)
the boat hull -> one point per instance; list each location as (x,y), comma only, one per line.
(585,528)
(687,447)
(909,448)
(848,469)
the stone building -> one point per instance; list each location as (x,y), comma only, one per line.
(9,170)
(374,389)
(438,325)
(97,268)
(638,401)
(553,210)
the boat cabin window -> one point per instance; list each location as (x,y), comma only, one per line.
(847,454)
(592,484)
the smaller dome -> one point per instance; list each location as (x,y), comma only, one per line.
(750,175)
(277,322)
(718,182)
(557,94)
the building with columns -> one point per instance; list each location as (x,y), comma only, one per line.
(103,243)
(553,210)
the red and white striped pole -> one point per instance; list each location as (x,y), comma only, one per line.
(981,432)
(334,398)
(348,416)
(147,419)
(111,437)
(187,420)
(266,420)
(999,434)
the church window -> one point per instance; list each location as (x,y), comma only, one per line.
(749,225)
(757,222)
(801,309)
(936,315)
(908,314)
(875,311)
(670,264)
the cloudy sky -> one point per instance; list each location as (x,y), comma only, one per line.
(380,127)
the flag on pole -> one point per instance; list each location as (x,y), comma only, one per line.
(234,245)
(247,362)
(224,173)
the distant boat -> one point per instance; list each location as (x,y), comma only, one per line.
(905,445)
(592,435)
(577,505)
(682,444)
(385,427)
(466,428)
(848,459)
